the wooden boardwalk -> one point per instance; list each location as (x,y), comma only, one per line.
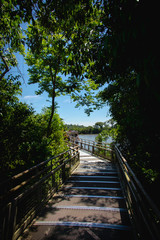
(90,206)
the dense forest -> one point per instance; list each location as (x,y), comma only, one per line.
(97,128)
(108,51)
(104,130)
(82,129)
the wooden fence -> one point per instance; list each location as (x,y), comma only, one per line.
(26,193)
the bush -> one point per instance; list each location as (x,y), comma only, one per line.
(23,141)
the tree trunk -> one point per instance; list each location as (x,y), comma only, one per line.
(53,101)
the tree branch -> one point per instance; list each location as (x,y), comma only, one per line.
(6,66)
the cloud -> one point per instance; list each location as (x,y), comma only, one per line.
(31,97)
(67,101)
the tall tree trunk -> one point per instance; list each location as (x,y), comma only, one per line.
(53,77)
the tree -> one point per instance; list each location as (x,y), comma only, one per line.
(12,40)
(23,141)
(50,56)
(46,65)
(104,44)
(122,57)
(99,125)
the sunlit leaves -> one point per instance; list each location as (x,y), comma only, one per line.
(12,39)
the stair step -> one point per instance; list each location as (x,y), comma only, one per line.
(91,196)
(90,181)
(97,184)
(95,188)
(89,206)
(83,224)
(92,208)
(79,231)
(93,191)
(95,173)
(91,201)
(85,214)
(85,177)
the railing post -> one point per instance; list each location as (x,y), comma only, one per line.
(63,172)
(112,152)
(70,164)
(53,180)
(92,149)
(13,218)
(6,213)
(105,150)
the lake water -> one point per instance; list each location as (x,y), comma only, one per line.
(92,137)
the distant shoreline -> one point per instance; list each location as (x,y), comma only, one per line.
(92,137)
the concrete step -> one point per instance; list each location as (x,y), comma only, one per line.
(89,206)
(84,214)
(91,191)
(94,173)
(82,200)
(94,168)
(93,178)
(72,231)
(101,164)
(106,184)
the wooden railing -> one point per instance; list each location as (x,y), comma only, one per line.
(23,195)
(144,213)
(100,149)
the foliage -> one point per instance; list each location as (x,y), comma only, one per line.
(23,142)
(123,58)
(132,72)
(46,64)
(50,56)
(108,130)
(108,44)
(55,142)
(12,39)
(83,129)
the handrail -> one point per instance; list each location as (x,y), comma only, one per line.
(103,150)
(30,169)
(144,213)
(27,192)
(95,142)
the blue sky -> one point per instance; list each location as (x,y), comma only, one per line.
(66,109)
